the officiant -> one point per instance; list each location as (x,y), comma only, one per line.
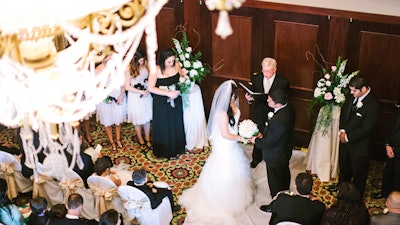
(265,81)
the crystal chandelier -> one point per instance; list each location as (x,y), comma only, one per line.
(48,54)
(224,28)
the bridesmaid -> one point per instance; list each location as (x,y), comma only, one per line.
(168,130)
(140,103)
(112,112)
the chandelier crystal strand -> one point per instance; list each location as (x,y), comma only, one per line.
(223,28)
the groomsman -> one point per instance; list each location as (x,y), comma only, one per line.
(264,82)
(391,173)
(276,142)
(359,116)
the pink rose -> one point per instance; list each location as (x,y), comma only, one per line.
(333,68)
(184,71)
(328,96)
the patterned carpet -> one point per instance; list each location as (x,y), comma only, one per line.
(182,173)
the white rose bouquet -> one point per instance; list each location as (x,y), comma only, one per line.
(331,90)
(248,129)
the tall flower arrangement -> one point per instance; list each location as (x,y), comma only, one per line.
(331,90)
(189,60)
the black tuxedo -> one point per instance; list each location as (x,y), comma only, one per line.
(66,221)
(260,106)
(155,198)
(391,173)
(388,219)
(359,125)
(276,146)
(296,208)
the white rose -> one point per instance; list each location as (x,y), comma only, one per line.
(186,64)
(182,58)
(270,115)
(187,55)
(189,49)
(359,105)
(328,83)
(193,73)
(327,76)
(317,92)
(337,91)
(197,64)
(340,98)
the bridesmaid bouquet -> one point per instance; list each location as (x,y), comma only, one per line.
(248,129)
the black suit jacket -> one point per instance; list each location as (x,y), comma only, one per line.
(87,169)
(65,221)
(260,106)
(155,198)
(296,208)
(359,124)
(276,143)
(388,219)
(394,135)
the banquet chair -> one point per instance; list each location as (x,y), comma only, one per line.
(106,195)
(288,223)
(73,183)
(10,170)
(138,206)
(45,183)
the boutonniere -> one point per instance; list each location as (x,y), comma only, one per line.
(359,105)
(270,115)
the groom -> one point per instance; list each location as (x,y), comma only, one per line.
(276,142)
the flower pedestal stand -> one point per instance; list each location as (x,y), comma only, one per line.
(194,120)
(323,150)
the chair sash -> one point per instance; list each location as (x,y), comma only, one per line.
(38,190)
(104,197)
(8,171)
(137,206)
(70,186)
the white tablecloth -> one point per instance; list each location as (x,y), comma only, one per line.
(194,120)
(323,151)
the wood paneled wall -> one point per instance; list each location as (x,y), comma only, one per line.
(286,32)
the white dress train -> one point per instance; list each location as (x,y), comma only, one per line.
(223,193)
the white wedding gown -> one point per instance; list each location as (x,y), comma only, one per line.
(223,194)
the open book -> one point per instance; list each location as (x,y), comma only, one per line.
(249,91)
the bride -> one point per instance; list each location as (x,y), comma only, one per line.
(224,190)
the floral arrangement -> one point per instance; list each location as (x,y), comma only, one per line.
(270,115)
(189,61)
(331,91)
(248,129)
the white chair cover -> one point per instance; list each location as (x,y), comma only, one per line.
(106,195)
(287,223)
(10,170)
(73,183)
(47,186)
(138,205)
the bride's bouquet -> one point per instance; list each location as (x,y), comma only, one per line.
(248,129)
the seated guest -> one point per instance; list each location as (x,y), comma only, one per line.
(9,149)
(74,209)
(9,213)
(301,208)
(58,211)
(102,167)
(87,169)
(39,215)
(156,195)
(110,217)
(393,216)
(348,209)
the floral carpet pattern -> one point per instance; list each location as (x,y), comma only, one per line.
(182,173)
